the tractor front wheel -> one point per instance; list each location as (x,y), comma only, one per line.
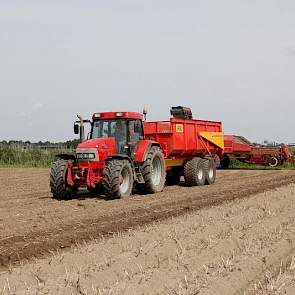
(118,179)
(58,181)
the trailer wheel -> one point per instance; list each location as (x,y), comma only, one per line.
(274,162)
(225,162)
(118,179)
(194,172)
(58,181)
(153,171)
(210,171)
(217,161)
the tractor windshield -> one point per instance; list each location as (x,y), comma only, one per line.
(110,128)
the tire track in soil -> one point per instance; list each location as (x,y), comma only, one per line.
(125,214)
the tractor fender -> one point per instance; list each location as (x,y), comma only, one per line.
(143,148)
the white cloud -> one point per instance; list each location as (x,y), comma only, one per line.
(35,108)
(290,52)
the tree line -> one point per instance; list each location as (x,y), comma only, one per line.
(69,144)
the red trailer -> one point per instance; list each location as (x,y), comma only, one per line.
(124,152)
(185,142)
(238,147)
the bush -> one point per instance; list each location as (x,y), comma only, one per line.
(17,157)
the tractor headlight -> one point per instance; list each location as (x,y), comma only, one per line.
(86,156)
(91,156)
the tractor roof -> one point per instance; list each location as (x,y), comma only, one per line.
(117,115)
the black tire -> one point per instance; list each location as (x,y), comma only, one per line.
(58,181)
(274,162)
(194,172)
(114,172)
(173,179)
(96,191)
(210,171)
(217,161)
(153,170)
(225,162)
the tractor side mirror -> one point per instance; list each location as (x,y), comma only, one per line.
(76,128)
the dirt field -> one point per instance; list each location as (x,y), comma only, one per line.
(246,246)
(32,224)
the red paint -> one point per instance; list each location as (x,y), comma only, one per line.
(113,115)
(90,178)
(143,147)
(70,181)
(243,150)
(186,143)
(174,143)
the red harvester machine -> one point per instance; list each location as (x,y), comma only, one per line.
(238,147)
(124,152)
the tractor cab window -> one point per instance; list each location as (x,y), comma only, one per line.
(135,131)
(108,128)
(111,128)
(135,134)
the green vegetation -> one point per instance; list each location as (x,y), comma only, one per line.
(235,164)
(17,157)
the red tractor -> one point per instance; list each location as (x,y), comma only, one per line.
(124,152)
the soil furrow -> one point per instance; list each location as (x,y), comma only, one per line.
(32,225)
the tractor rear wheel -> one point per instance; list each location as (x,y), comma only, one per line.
(210,171)
(58,181)
(118,179)
(194,172)
(153,171)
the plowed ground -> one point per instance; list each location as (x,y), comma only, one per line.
(32,223)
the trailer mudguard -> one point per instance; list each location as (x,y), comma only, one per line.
(143,148)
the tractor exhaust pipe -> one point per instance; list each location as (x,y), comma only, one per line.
(82,130)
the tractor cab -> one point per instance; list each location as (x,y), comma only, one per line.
(125,127)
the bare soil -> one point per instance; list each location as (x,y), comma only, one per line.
(245,246)
(32,223)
